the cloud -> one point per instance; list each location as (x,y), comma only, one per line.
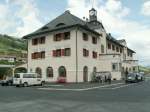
(146,8)
(5,21)
(113,15)
(19,17)
(28,14)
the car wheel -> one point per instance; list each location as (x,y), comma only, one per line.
(25,84)
(42,83)
(9,84)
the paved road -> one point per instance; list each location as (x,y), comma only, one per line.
(115,98)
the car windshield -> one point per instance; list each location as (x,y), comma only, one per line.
(131,75)
(16,76)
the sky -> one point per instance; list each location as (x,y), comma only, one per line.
(124,19)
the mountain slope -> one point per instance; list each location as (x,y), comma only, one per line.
(11,46)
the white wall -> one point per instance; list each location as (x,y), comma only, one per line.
(54,62)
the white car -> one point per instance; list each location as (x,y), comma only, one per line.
(27,79)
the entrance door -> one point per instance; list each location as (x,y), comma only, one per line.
(85,74)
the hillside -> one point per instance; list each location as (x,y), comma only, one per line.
(11,45)
(144,69)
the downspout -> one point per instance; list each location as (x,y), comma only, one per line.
(27,55)
(76,55)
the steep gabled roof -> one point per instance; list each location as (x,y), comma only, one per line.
(118,42)
(63,21)
(110,38)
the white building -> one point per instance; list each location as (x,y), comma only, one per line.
(72,48)
(10,59)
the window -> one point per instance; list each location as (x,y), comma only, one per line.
(42,40)
(42,54)
(94,40)
(62,36)
(49,72)
(38,70)
(109,46)
(117,49)
(34,41)
(57,37)
(85,37)
(58,52)
(113,47)
(120,50)
(102,48)
(114,67)
(66,35)
(67,52)
(35,55)
(62,71)
(85,53)
(62,52)
(94,54)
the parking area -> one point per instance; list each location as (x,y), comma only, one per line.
(82,97)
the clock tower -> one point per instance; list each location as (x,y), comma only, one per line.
(93,15)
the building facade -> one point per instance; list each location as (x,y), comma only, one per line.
(73,48)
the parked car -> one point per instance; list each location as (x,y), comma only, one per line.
(27,79)
(132,77)
(140,76)
(0,81)
(135,77)
(7,82)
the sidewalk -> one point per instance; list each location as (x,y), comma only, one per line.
(77,85)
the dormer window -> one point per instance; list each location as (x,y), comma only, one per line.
(44,28)
(60,24)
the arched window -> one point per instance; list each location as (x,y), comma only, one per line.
(102,48)
(85,73)
(38,70)
(49,72)
(62,71)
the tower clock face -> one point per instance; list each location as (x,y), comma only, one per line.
(92,13)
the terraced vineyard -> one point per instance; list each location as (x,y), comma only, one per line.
(11,45)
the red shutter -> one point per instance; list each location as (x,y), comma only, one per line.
(54,53)
(32,55)
(62,52)
(95,54)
